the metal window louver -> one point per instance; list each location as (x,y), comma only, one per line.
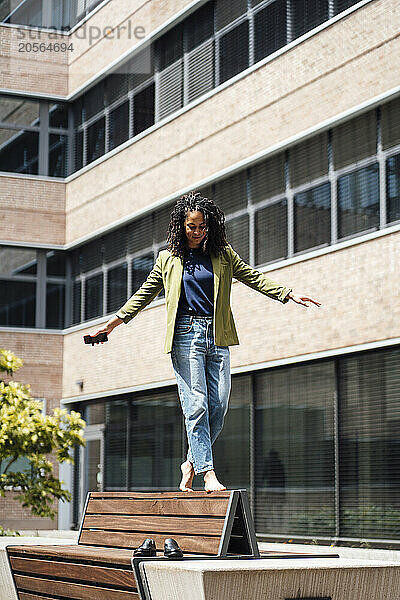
(237,234)
(170,90)
(267,178)
(199,70)
(308,160)
(230,194)
(270,31)
(390,120)
(234,51)
(271,232)
(307,14)
(227,11)
(312,217)
(354,140)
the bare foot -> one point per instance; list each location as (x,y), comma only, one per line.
(211,482)
(187,477)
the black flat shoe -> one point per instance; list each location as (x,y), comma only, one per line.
(148,548)
(171,549)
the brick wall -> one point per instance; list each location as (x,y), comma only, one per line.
(337,69)
(355,286)
(32,210)
(42,354)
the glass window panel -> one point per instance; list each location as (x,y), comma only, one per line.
(19,151)
(140,234)
(94,100)
(231,193)
(17,303)
(17,261)
(169,47)
(307,14)
(58,116)
(19,111)
(390,121)
(119,125)
(271,232)
(308,160)
(341,5)
(269,29)
(237,234)
(156,427)
(358,201)
(56,263)
(95,413)
(78,150)
(114,244)
(91,255)
(393,188)
(94,296)
(58,146)
(312,217)
(55,305)
(96,140)
(294,429)
(141,267)
(369,414)
(354,140)
(161,219)
(140,67)
(76,302)
(117,286)
(143,110)
(199,26)
(227,11)
(234,52)
(267,178)
(20,465)
(116,86)
(232,449)
(116,463)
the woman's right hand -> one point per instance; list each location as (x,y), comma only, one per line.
(105,329)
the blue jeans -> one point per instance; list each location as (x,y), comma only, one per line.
(202,371)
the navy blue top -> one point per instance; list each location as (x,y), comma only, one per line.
(197,290)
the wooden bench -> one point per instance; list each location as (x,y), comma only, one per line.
(98,567)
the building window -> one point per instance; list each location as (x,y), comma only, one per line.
(358,201)
(393,188)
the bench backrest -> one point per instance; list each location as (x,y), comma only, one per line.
(196,520)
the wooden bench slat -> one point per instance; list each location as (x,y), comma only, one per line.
(161,524)
(169,506)
(75,571)
(114,556)
(203,545)
(162,495)
(71,590)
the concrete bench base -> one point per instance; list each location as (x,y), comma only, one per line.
(273,579)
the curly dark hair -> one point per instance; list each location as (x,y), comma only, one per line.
(214,241)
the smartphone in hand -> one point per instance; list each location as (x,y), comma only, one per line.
(96,339)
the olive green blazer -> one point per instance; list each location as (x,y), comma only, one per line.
(167,272)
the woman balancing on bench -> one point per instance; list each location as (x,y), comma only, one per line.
(196,272)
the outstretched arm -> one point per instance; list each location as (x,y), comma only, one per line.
(263,284)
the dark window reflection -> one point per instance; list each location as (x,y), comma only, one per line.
(116,459)
(76,302)
(393,188)
(17,303)
(143,110)
(96,140)
(141,267)
(269,29)
(294,428)
(58,145)
(358,201)
(119,125)
(94,296)
(307,14)
(312,217)
(55,305)
(234,52)
(58,116)
(117,287)
(19,151)
(271,232)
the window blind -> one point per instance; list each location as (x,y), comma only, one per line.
(369,444)
(237,233)
(199,68)
(117,287)
(308,160)
(354,140)
(93,296)
(294,450)
(140,234)
(271,232)
(227,11)
(358,200)
(312,217)
(390,119)
(270,29)
(231,193)
(170,90)
(307,14)
(115,244)
(267,178)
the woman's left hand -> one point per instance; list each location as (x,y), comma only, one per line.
(303,299)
